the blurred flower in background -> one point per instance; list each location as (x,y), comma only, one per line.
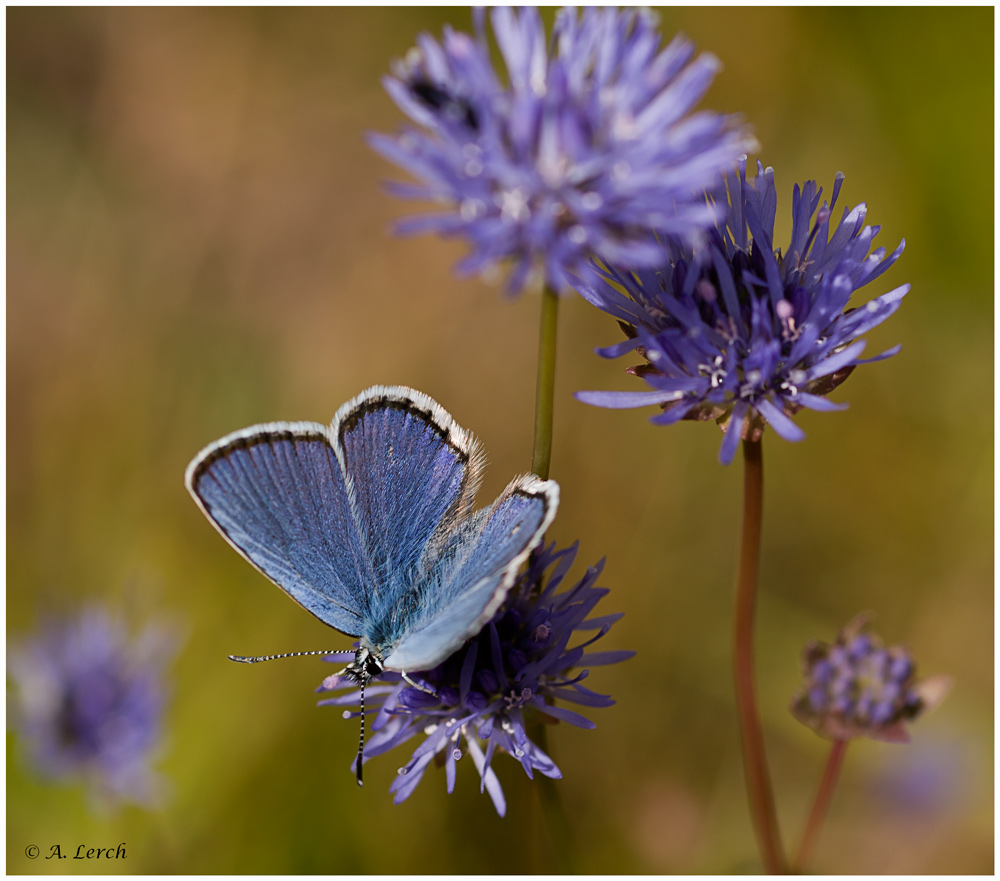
(588,147)
(521,661)
(858,688)
(744,334)
(90,702)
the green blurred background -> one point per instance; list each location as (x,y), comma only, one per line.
(197,241)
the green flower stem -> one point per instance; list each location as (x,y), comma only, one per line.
(541,460)
(759,792)
(541,456)
(562,850)
(822,803)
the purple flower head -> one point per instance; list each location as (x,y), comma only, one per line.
(738,332)
(520,663)
(90,702)
(587,145)
(857,688)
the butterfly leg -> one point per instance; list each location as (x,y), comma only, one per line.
(417,685)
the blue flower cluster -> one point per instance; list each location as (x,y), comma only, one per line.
(90,702)
(587,146)
(521,662)
(739,332)
(856,687)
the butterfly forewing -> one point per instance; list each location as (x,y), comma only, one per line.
(276,492)
(411,474)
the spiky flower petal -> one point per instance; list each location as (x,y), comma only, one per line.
(520,663)
(587,145)
(739,332)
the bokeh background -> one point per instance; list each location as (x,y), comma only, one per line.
(197,241)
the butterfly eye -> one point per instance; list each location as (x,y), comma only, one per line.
(373,666)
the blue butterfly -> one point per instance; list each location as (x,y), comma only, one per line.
(368,524)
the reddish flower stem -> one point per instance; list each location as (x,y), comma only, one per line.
(823,797)
(759,793)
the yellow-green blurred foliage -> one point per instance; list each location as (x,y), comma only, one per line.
(198,241)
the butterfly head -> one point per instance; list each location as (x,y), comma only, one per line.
(367,665)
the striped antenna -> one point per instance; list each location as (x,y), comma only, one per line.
(361,741)
(244,660)
(364,677)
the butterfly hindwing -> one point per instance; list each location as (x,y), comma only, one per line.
(278,495)
(466,580)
